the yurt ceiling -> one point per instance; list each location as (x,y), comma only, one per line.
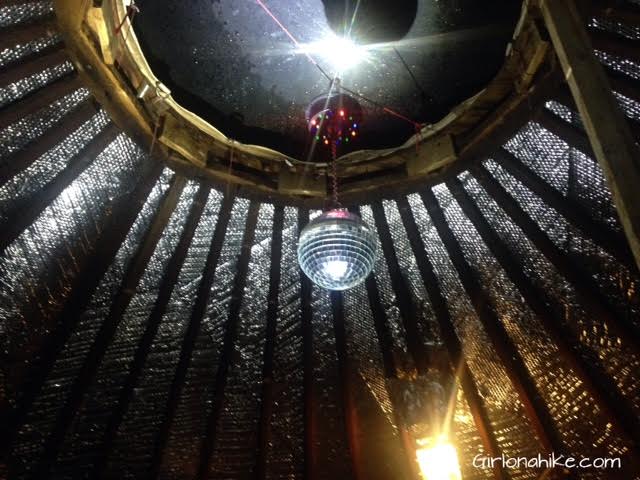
(155,323)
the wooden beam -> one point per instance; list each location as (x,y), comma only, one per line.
(191,335)
(34,63)
(450,338)
(583,283)
(601,234)
(22,159)
(26,32)
(26,214)
(608,131)
(266,403)
(345,372)
(39,99)
(601,388)
(515,368)
(109,326)
(624,84)
(231,332)
(405,301)
(306,314)
(106,247)
(573,135)
(167,285)
(608,42)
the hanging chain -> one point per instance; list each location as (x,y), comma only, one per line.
(334,173)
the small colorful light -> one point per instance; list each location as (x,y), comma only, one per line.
(342,113)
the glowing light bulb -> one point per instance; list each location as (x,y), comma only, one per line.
(438,460)
(341,52)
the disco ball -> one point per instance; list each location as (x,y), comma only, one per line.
(337,250)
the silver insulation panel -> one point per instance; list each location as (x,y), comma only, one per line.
(40,267)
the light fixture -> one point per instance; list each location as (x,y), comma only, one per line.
(337,250)
(438,459)
(341,52)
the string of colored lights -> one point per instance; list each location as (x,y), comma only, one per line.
(417,126)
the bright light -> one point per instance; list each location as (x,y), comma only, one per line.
(336,269)
(439,461)
(341,52)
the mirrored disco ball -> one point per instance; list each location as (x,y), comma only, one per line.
(337,250)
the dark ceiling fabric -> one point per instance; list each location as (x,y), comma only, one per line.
(159,369)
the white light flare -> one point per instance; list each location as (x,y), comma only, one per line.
(439,461)
(342,53)
(336,269)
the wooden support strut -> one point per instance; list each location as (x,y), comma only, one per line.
(614,406)
(34,63)
(451,339)
(582,282)
(611,139)
(22,159)
(106,247)
(405,301)
(191,335)
(229,343)
(266,404)
(515,368)
(39,99)
(107,331)
(310,450)
(25,215)
(346,382)
(601,234)
(573,135)
(167,285)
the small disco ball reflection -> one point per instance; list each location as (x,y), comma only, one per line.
(337,250)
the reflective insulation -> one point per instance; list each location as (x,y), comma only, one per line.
(467,438)
(330,443)
(557,384)
(15,54)
(132,449)
(24,12)
(234,455)
(78,212)
(617,282)
(568,170)
(24,186)
(601,343)
(513,432)
(404,362)
(92,418)
(18,135)
(37,81)
(286,451)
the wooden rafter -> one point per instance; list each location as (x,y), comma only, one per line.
(23,158)
(167,285)
(611,139)
(191,336)
(106,333)
(405,301)
(584,285)
(82,288)
(614,406)
(26,32)
(266,403)
(450,338)
(26,214)
(601,234)
(39,99)
(536,410)
(309,409)
(34,63)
